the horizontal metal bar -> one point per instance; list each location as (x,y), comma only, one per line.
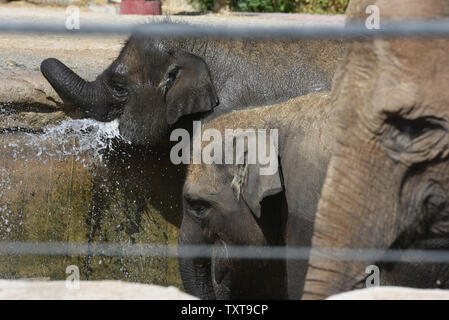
(231,252)
(419,28)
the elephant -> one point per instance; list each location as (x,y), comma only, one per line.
(387,185)
(158,84)
(155,83)
(233,204)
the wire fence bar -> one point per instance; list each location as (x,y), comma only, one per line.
(231,252)
(417,28)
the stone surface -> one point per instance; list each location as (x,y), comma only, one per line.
(30,121)
(88,290)
(392,293)
(53,187)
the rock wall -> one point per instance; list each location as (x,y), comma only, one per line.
(60,180)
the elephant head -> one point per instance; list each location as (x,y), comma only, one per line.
(232,205)
(387,184)
(148,88)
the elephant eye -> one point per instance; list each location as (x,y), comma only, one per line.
(403,131)
(119,90)
(197,207)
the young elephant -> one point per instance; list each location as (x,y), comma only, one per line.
(388,180)
(158,84)
(234,204)
(154,83)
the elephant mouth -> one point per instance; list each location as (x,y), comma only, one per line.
(221,270)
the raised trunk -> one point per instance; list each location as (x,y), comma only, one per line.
(88,96)
(352,214)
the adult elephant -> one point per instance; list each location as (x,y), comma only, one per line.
(387,184)
(154,83)
(256,201)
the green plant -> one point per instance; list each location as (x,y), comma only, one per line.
(322,6)
(263,5)
(205,5)
(302,6)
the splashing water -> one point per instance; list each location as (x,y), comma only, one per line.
(92,135)
(75,137)
(49,181)
(81,140)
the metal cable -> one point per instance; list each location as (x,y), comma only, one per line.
(418,28)
(232,252)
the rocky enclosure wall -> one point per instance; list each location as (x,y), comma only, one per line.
(54,189)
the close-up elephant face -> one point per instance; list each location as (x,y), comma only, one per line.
(148,88)
(223,206)
(387,184)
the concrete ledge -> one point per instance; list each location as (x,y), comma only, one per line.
(392,293)
(88,290)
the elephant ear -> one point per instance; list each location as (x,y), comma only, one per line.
(254,182)
(188,87)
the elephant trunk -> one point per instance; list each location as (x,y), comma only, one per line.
(195,272)
(88,96)
(354,212)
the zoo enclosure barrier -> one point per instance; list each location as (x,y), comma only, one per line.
(414,29)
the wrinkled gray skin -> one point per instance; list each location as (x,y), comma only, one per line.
(387,184)
(156,82)
(156,85)
(226,205)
